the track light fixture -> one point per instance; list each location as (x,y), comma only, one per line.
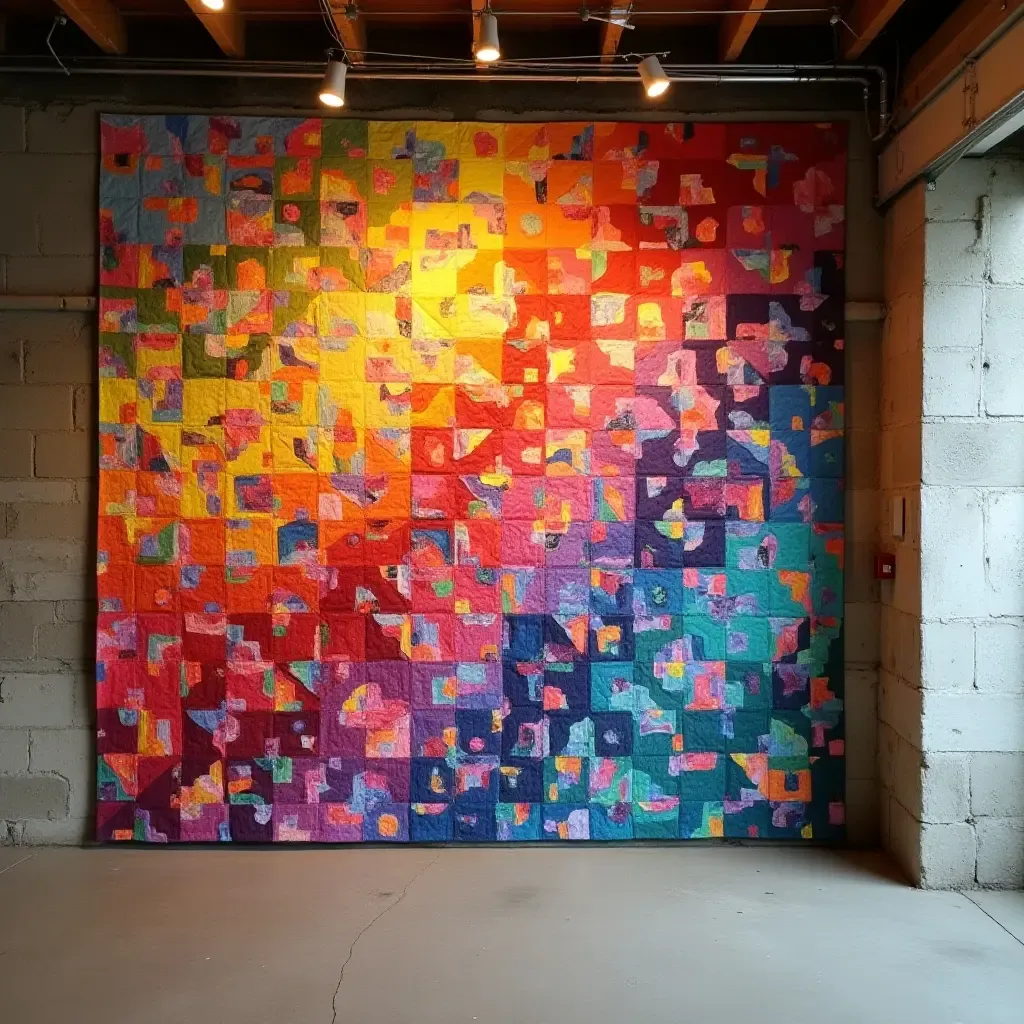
(486,48)
(214,5)
(332,89)
(653,76)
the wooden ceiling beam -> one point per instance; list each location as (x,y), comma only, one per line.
(611,34)
(100,20)
(959,35)
(353,33)
(736,28)
(867,19)
(227,27)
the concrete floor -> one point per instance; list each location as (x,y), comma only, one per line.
(501,936)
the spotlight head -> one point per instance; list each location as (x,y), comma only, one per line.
(653,76)
(486,48)
(332,89)
(214,5)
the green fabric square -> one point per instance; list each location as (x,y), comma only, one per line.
(705,637)
(566,780)
(204,269)
(345,137)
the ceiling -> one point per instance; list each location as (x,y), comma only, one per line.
(693,31)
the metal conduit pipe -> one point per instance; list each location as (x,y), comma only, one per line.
(714,74)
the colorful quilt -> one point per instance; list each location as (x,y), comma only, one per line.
(470,482)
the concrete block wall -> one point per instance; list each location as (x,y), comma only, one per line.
(48,161)
(952,723)
(47,479)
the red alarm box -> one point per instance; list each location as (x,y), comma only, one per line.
(885,566)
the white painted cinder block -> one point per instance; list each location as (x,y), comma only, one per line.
(1001,852)
(1006,225)
(972,722)
(952,382)
(953,254)
(997,785)
(1000,656)
(948,856)
(1004,550)
(1003,381)
(958,189)
(953,315)
(952,552)
(947,655)
(945,788)
(956,453)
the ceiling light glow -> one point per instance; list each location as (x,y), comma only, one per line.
(487,48)
(653,76)
(332,90)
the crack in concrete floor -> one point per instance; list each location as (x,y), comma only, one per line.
(366,927)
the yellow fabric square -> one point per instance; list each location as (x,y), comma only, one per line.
(117,400)
(159,400)
(202,495)
(482,225)
(438,139)
(295,449)
(203,448)
(248,451)
(481,139)
(388,359)
(485,316)
(435,272)
(167,437)
(382,317)
(388,405)
(341,404)
(203,402)
(295,359)
(342,359)
(433,360)
(481,181)
(388,139)
(435,225)
(434,317)
(342,450)
(157,352)
(341,314)
(293,402)
(247,401)
(389,223)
